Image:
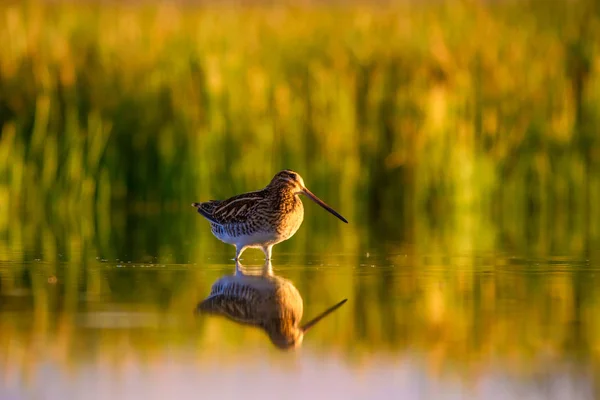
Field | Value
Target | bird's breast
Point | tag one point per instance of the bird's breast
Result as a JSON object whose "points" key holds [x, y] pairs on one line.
{"points": [[292, 216]]}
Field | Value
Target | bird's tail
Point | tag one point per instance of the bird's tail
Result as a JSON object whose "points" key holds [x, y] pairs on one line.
{"points": [[206, 209]]}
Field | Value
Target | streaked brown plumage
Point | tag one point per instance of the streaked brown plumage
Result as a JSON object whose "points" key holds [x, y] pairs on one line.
{"points": [[263, 218], [262, 299]]}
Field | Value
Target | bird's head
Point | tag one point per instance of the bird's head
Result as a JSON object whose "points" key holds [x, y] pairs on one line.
{"points": [[292, 181]]}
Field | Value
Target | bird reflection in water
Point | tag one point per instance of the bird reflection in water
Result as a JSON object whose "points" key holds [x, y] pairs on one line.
{"points": [[257, 297]]}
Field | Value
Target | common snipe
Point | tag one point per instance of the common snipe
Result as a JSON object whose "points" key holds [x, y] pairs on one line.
{"points": [[263, 218], [261, 299]]}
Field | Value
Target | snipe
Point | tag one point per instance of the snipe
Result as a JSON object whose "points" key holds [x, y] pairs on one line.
{"points": [[263, 218], [264, 300]]}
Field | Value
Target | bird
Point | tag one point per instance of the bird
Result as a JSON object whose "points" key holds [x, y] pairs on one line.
{"points": [[262, 218], [262, 299]]}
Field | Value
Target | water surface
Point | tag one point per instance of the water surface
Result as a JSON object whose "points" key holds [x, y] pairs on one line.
{"points": [[444, 324]]}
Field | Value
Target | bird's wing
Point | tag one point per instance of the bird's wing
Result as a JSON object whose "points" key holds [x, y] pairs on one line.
{"points": [[238, 209]]}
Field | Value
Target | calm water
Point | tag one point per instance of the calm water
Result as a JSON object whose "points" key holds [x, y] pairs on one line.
{"points": [[113, 317]]}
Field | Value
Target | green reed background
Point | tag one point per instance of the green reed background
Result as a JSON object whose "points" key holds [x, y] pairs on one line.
{"points": [[388, 111], [454, 126]]}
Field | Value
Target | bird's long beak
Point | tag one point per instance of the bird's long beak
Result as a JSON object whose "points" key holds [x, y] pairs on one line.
{"points": [[319, 317], [322, 204]]}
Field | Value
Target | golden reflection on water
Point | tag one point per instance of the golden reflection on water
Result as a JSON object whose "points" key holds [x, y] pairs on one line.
{"points": [[478, 319]]}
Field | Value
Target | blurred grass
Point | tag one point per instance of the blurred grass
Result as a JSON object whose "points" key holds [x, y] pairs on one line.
{"points": [[457, 127], [452, 105]]}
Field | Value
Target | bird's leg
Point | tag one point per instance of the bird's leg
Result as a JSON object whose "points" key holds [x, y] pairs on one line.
{"points": [[239, 268], [238, 252], [267, 268], [267, 250]]}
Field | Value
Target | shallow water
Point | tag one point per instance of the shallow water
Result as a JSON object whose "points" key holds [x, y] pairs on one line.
{"points": [[425, 322]]}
